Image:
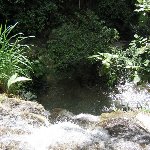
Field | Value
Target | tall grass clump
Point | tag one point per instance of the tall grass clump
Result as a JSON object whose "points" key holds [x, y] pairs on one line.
{"points": [[13, 55]]}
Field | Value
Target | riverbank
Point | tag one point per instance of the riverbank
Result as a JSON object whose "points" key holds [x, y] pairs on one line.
{"points": [[26, 125]]}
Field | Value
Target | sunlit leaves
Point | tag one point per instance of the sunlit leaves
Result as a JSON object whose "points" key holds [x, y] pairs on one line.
{"points": [[14, 78], [13, 55], [134, 61]]}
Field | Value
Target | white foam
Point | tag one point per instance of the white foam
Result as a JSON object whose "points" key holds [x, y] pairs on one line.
{"points": [[62, 134], [132, 95], [87, 117]]}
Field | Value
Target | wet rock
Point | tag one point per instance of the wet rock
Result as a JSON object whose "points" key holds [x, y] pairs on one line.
{"points": [[87, 118], [18, 118], [18, 105], [124, 125], [84, 120], [60, 114], [144, 121]]}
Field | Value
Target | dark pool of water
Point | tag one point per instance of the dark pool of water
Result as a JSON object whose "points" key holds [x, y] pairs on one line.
{"points": [[70, 95]]}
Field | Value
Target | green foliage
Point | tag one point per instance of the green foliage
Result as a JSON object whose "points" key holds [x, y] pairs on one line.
{"points": [[134, 62], [143, 6], [71, 44], [40, 17], [13, 55], [37, 16], [33, 16], [82, 35], [117, 13], [139, 57], [116, 9], [143, 9]]}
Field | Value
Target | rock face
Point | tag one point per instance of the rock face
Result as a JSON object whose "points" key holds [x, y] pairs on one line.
{"points": [[17, 118], [126, 127], [26, 125]]}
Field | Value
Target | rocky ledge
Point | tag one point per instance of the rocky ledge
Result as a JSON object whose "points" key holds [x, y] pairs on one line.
{"points": [[26, 125]]}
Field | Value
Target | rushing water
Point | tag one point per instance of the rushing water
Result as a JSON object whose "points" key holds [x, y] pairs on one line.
{"points": [[65, 135], [132, 96], [63, 130], [80, 132]]}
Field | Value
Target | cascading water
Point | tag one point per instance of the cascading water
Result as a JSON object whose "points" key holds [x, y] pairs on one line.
{"points": [[65, 135], [81, 132], [132, 96], [27, 126]]}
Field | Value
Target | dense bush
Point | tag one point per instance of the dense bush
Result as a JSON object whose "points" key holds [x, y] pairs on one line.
{"points": [[143, 9], [118, 13], [37, 17], [132, 63], [33, 16], [75, 35], [71, 44]]}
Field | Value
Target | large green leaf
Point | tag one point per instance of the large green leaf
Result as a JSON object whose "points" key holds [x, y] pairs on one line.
{"points": [[140, 1], [13, 79]]}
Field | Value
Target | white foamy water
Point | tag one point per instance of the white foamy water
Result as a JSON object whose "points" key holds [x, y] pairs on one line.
{"points": [[81, 131], [132, 95], [34, 132], [62, 134], [87, 117]]}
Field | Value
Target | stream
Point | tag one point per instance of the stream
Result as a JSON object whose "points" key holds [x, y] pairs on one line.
{"points": [[72, 119]]}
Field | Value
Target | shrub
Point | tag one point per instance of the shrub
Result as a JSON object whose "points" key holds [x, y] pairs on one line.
{"points": [[13, 55], [132, 63], [71, 44], [37, 16], [118, 13], [143, 6], [34, 17], [143, 9]]}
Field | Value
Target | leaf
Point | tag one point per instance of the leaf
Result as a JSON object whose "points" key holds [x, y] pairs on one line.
{"points": [[129, 63], [136, 79], [141, 50], [13, 79], [98, 57], [140, 1], [146, 63], [136, 36], [128, 67], [106, 63]]}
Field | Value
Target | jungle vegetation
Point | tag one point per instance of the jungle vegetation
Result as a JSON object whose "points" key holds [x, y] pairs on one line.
{"points": [[82, 39]]}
